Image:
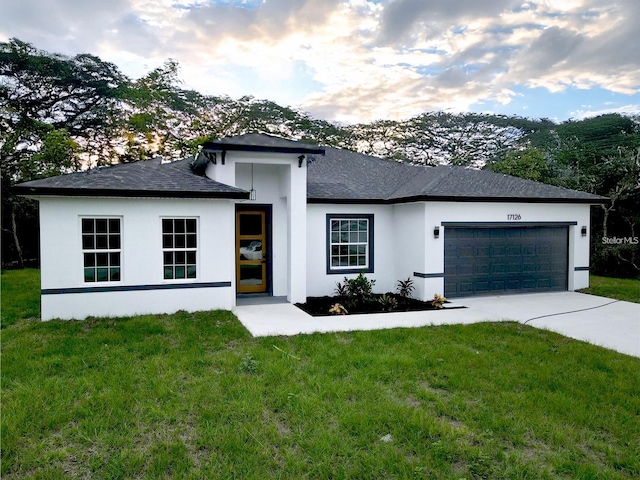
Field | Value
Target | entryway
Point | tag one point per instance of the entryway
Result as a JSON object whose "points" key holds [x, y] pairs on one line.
{"points": [[252, 250]]}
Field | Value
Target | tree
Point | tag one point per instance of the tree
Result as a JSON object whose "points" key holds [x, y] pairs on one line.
{"points": [[529, 164], [54, 111]]}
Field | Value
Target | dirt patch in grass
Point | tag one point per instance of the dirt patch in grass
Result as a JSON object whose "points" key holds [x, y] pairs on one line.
{"points": [[320, 306]]}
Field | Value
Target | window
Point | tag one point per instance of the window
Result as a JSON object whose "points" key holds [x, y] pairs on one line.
{"points": [[349, 243], [179, 247], [101, 249]]}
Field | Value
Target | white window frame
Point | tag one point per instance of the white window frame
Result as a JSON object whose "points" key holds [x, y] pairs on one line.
{"points": [[93, 251], [177, 249]]}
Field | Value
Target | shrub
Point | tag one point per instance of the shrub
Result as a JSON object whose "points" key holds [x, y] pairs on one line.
{"points": [[358, 291], [405, 288]]}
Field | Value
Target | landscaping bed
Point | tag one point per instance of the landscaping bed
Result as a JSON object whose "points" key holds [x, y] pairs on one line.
{"points": [[321, 306]]}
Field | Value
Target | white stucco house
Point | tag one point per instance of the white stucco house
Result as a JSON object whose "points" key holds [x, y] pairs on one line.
{"points": [[261, 215]]}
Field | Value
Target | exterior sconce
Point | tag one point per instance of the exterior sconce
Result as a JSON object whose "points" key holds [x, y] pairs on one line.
{"points": [[584, 231], [212, 156], [300, 160], [436, 232]]}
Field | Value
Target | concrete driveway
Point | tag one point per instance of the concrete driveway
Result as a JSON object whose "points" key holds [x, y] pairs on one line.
{"points": [[602, 321]]}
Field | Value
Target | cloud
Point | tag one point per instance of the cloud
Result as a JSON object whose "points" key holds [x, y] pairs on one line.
{"points": [[353, 60]]}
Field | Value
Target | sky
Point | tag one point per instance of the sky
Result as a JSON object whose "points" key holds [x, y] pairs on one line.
{"points": [[357, 61]]}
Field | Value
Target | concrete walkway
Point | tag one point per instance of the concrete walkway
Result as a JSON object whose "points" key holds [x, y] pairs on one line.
{"points": [[601, 321]]}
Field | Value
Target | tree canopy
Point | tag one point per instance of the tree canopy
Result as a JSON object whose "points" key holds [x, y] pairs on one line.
{"points": [[59, 114]]}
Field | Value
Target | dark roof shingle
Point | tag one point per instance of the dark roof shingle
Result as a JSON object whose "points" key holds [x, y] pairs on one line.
{"points": [[148, 178], [344, 176]]}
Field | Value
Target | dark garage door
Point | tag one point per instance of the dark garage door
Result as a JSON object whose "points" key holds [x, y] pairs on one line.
{"points": [[493, 261]]}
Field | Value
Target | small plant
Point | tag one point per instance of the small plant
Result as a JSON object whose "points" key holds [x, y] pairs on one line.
{"points": [[438, 301], [388, 303], [359, 291], [341, 289], [249, 364], [338, 309], [405, 288]]}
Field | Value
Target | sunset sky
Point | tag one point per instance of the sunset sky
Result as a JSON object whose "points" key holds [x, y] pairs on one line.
{"points": [[359, 61]]}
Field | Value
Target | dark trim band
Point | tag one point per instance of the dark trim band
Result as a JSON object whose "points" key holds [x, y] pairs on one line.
{"points": [[132, 288], [428, 275], [444, 198], [126, 193], [581, 269], [514, 224], [223, 147]]}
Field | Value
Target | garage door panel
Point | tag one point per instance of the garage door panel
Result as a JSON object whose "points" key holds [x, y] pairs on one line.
{"points": [[482, 269], [514, 284], [511, 260]]}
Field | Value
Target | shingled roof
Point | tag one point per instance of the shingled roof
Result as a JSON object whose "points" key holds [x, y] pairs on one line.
{"points": [[149, 178], [334, 176], [342, 176]]}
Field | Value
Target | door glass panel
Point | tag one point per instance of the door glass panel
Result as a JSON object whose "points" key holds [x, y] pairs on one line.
{"points": [[251, 249], [250, 224], [251, 275]]}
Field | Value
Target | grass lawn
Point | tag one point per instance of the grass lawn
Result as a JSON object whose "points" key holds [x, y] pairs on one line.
{"points": [[195, 396], [619, 288]]}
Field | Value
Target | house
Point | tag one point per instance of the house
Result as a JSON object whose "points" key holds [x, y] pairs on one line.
{"points": [[260, 215]]}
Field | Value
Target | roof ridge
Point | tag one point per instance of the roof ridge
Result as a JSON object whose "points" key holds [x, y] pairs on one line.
{"points": [[423, 169]]}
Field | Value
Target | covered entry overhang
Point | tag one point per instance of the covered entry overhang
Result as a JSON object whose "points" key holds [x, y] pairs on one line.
{"points": [[270, 226]]}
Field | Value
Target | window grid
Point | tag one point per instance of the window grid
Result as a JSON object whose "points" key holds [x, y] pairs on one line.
{"points": [[179, 248], [101, 249], [349, 243]]}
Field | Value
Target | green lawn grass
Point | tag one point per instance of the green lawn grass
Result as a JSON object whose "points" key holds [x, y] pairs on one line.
{"points": [[20, 294], [619, 288], [195, 396]]}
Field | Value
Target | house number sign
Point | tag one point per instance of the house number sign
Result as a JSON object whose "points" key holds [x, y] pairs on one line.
{"points": [[513, 216]]}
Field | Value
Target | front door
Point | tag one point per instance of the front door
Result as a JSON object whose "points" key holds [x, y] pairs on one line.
{"points": [[251, 251]]}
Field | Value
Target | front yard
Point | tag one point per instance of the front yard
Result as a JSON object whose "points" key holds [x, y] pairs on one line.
{"points": [[195, 396], [626, 289]]}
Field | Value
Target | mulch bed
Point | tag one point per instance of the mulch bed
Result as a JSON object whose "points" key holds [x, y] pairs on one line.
{"points": [[319, 306]]}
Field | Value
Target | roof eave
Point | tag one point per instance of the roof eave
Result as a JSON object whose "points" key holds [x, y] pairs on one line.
{"points": [[218, 147], [453, 198], [115, 193]]}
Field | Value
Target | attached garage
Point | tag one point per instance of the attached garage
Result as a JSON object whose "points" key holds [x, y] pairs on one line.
{"points": [[495, 259]]}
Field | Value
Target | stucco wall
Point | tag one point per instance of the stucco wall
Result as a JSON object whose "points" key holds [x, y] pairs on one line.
{"points": [[411, 244], [142, 263], [318, 281], [437, 213], [405, 242]]}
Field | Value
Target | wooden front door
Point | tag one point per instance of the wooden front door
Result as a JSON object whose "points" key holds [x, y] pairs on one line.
{"points": [[251, 251]]}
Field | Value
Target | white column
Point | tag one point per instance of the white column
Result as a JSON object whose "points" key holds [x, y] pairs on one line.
{"points": [[297, 233]]}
